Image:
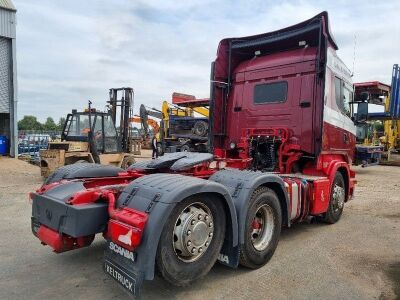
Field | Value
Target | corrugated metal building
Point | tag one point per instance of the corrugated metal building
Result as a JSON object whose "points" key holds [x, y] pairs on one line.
{"points": [[8, 75]]}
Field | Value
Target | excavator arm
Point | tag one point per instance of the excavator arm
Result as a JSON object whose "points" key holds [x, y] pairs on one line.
{"points": [[150, 122]]}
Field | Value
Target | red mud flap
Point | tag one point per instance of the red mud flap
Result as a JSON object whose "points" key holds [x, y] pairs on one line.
{"points": [[119, 263]]}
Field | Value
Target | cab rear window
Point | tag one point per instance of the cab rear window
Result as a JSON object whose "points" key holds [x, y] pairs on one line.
{"points": [[270, 92]]}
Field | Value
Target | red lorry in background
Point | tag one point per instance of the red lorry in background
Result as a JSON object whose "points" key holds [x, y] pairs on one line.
{"points": [[281, 145]]}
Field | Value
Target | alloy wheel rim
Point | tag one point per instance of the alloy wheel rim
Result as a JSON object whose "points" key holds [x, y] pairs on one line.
{"points": [[262, 227], [193, 232]]}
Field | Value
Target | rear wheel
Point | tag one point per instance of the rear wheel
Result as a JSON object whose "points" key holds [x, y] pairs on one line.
{"points": [[185, 148], [336, 203], [127, 162], [200, 128], [263, 228], [191, 240]]}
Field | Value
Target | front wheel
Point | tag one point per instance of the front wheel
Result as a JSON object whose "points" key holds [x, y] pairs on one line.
{"points": [[263, 228], [336, 203], [191, 240], [185, 148]]}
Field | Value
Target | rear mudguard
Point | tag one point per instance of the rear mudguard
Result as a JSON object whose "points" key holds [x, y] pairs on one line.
{"points": [[241, 184], [82, 170], [157, 195]]}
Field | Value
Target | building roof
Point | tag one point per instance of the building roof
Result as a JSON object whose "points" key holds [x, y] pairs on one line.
{"points": [[7, 4]]}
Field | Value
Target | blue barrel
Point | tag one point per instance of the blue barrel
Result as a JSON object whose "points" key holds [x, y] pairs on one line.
{"points": [[3, 145]]}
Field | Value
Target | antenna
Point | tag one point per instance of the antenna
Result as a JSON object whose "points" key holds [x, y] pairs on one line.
{"points": [[354, 53]]}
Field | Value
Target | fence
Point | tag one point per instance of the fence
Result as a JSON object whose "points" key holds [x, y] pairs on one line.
{"points": [[30, 142]]}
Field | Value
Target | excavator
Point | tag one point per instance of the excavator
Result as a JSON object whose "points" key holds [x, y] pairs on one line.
{"points": [[145, 136], [183, 123]]}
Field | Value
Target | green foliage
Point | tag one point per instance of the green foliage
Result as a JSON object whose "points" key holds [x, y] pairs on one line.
{"points": [[50, 125], [29, 123], [379, 127], [60, 124]]}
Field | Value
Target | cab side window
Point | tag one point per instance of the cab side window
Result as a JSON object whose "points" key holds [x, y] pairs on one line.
{"points": [[270, 92], [343, 96]]}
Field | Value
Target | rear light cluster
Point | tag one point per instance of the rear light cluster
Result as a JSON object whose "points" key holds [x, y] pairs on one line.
{"points": [[126, 227]]}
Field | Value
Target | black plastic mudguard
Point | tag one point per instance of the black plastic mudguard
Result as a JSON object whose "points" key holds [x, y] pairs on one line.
{"points": [[83, 170], [177, 161], [157, 195], [122, 269], [241, 184]]}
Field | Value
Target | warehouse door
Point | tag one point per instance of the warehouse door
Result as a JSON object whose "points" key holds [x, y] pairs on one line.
{"points": [[5, 75]]}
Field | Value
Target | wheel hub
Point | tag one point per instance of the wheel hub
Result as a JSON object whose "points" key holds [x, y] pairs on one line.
{"points": [[193, 232], [338, 197], [262, 227]]}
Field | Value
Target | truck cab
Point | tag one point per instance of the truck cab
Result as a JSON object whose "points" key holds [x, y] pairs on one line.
{"points": [[282, 99]]}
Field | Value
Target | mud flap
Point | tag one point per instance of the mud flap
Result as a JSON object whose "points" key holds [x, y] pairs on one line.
{"points": [[229, 256], [121, 267]]}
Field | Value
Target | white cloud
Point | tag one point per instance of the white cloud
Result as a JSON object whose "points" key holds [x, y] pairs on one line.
{"points": [[72, 51]]}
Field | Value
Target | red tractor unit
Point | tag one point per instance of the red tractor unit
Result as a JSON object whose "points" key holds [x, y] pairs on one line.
{"points": [[281, 145]]}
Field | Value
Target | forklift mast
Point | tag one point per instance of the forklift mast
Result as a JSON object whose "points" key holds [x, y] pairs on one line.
{"points": [[122, 99]]}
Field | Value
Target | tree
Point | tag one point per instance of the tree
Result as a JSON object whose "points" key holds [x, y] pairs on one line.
{"points": [[29, 123], [50, 124], [60, 124]]}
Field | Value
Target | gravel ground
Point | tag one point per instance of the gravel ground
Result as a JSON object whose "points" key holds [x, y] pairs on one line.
{"points": [[357, 258]]}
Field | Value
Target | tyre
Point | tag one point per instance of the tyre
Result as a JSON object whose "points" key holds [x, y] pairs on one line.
{"points": [[191, 240], [201, 148], [263, 228], [81, 161], [200, 128], [336, 202], [185, 148], [127, 162]]}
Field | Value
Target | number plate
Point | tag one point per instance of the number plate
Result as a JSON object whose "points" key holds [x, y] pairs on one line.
{"points": [[123, 277]]}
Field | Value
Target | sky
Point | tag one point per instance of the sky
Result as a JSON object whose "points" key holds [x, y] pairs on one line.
{"points": [[69, 52]]}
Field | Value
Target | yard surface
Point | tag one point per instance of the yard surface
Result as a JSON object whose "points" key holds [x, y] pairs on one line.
{"points": [[357, 258]]}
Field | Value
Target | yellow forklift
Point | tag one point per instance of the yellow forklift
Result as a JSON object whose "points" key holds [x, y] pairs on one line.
{"points": [[91, 136]]}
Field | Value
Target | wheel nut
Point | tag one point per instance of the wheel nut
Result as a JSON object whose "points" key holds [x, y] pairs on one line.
{"points": [[189, 232], [193, 222], [206, 244], [211, 224], [200, 217], [200, 250], [210, 234], [206, 217], [193, 250], [189, 243]]}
